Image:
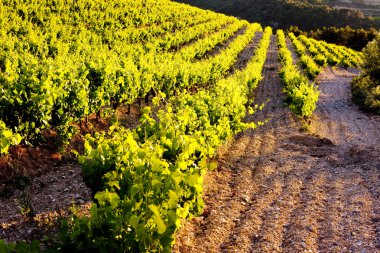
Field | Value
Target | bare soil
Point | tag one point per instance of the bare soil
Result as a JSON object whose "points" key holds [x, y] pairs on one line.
{"points": [[280, 189], [289, 45], [31, 208], [247, 53]]}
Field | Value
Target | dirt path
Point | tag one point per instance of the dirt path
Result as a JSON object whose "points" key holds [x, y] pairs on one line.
{"points": [[281, 190], [338, 118]]}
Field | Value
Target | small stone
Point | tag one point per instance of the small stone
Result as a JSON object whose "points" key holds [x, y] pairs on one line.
{"points": [[245, 198]]}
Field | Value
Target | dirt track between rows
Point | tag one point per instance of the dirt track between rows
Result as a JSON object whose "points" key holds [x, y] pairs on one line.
{"points": [[278, 189]]}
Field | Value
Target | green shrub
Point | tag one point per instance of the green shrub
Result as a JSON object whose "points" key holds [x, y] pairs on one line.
{"points": [[366, 87], [371, 59], [7, 138], [20, 247], [366, 93]]}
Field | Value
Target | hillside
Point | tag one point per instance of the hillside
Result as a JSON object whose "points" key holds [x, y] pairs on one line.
{"points": [[368, 7], [154, 126], [286, 13]]}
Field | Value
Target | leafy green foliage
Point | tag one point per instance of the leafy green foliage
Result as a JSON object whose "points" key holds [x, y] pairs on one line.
{"points": [[149, 179], [7, 138], [301, 95], [366, 88], [318, 57], [313, 53], [346, 57], [20, 247], [332, 54], [307, 62], [371, 59], [51, 79]]}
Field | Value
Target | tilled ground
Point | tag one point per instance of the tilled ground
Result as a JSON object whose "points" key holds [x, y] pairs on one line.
{"points": [[278, 189], [32, 209]]}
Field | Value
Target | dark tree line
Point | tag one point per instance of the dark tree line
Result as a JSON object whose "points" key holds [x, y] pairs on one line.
{"points": [[285, 13]]}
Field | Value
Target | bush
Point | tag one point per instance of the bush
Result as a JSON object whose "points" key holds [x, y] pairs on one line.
{"points": [[366, 88], [371, 61], [20, 247], [366, 93]]}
